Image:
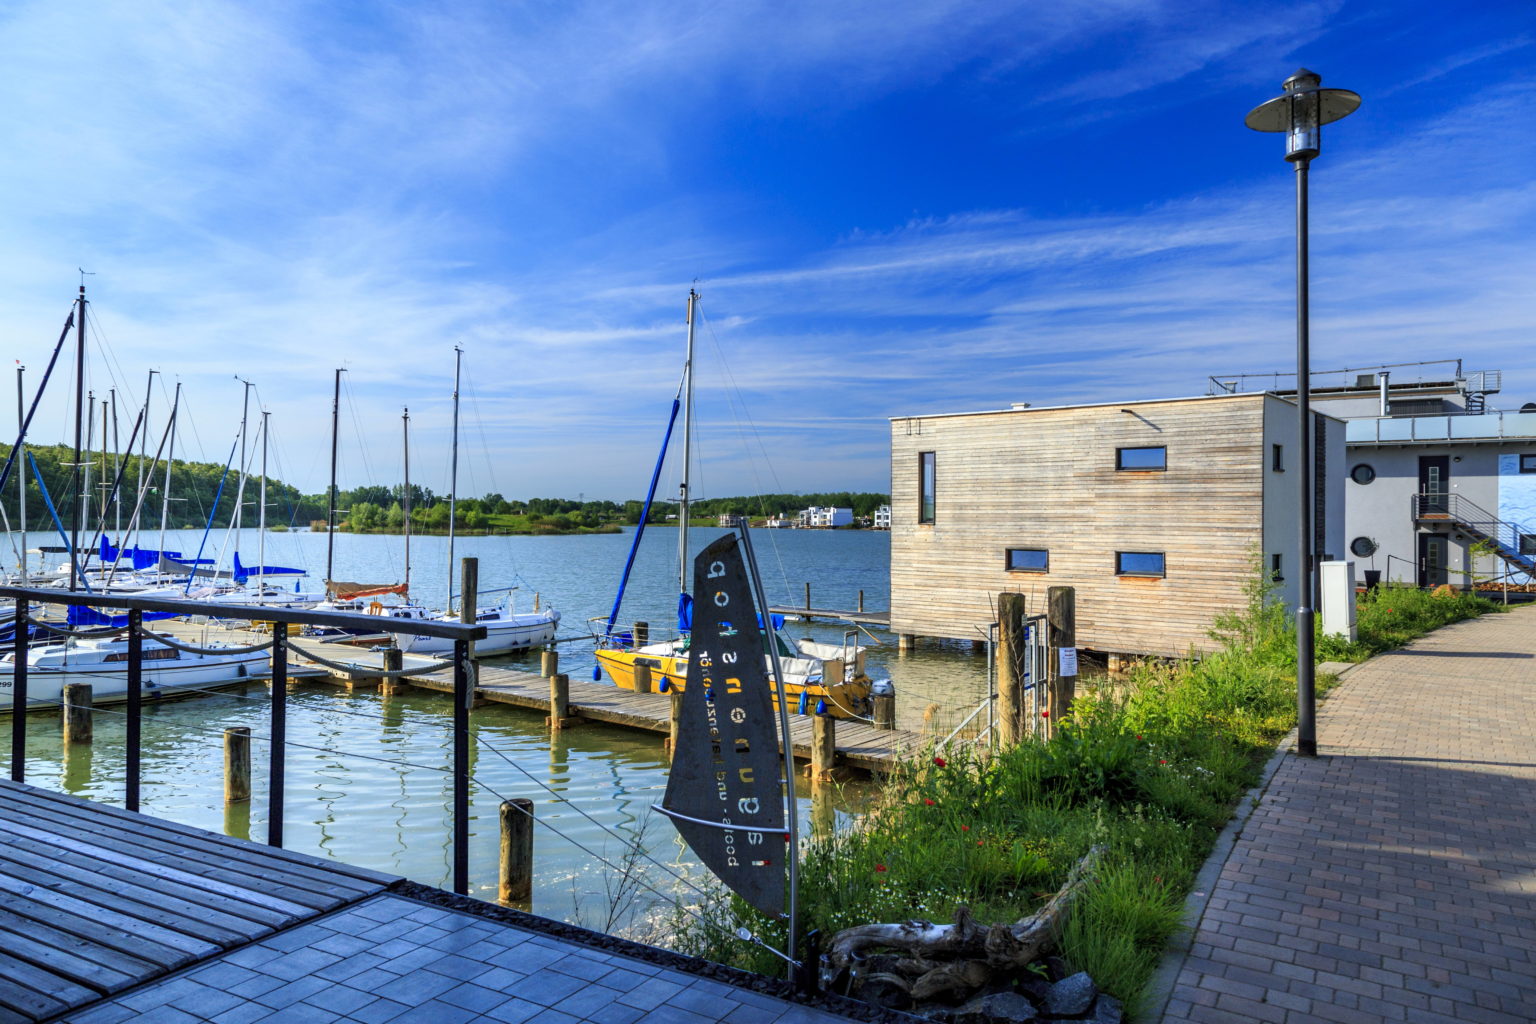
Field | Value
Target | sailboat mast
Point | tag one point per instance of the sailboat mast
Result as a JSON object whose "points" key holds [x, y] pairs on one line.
{"points": [[117, 465], [330, 514], [103, 486], [261, 517], [21, 476], [149, 384], [74, 511], [405, 497], [453, 473], [85, 469], [682, 495], [245, 412], [170, 456]]}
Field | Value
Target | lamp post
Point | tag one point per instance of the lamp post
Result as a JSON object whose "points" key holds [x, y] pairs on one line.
{"points": [[1300, 112]]}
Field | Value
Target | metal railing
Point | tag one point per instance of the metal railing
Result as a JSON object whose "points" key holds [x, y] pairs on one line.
{"points": [[1453, 508], [1035, 659], [1441, 426], [462, 634]]}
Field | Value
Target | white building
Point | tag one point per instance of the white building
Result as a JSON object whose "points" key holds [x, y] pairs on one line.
{"points": [[883, 517], [819, 517]]}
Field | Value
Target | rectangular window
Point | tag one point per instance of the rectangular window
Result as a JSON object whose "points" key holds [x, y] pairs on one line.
{"points": [[925, 487], [1277, 464], [1274, 568], [1141, 458], [1029, 560], [1139, 563], [1528, 544], [1528, 463]]}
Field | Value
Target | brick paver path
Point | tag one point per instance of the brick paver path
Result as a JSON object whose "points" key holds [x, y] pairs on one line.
{"points": [[394, 959], [1393, 878]]}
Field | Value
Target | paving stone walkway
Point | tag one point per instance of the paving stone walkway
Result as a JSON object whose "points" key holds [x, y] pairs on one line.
{"points": [[395, 959], [1392, 878]]}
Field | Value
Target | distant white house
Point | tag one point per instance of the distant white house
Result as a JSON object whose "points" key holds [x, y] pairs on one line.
{"points": [[779, 522], [731, 520], [819, 517], [883, 517]]}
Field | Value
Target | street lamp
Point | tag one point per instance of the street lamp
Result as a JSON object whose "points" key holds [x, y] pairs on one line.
{"points": [[1300, 112]]}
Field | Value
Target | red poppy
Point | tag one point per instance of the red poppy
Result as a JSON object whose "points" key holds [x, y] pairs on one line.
{"points": [[1045, 714], [927, 801], [980, 842], [786, 837], [1138, 737], [1162, 762], [965, 828], [940, 762], [879, 867]]}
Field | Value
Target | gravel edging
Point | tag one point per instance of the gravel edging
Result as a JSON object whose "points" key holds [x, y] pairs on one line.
{"points": [[778, 988]]}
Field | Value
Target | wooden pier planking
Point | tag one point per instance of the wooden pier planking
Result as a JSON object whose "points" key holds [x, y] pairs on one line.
{"points": [[94, 899], [858, 618]]}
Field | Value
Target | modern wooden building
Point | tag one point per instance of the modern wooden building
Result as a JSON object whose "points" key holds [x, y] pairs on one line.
{"points": [[1154, 511]]}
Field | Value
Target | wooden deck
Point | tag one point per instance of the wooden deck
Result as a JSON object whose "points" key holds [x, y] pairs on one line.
{"points": [[94, 899], [858, 618]]}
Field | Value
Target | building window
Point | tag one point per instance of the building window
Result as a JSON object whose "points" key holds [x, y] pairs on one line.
{"points": [[1141, 458], [1528, 544], [1274, 565], [1139, 563], [1276, 464], [1362, 547], [1528, 463], [925, 487], [1364, 473], [1029, 560]]}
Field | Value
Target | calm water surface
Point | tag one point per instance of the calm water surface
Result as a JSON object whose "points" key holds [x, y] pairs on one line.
{"points": [[366, 783]]}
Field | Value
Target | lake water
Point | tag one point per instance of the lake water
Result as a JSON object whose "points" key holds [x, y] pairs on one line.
{"points": [[366, 778]]}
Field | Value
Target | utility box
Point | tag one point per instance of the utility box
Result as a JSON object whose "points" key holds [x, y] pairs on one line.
{"points": [[1338, 586]]}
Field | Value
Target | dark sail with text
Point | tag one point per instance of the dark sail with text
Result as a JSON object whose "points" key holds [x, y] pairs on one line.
{"points": [[725, 792]]}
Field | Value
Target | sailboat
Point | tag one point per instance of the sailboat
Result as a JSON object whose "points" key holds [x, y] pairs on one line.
{"points": [[507, 629], [819, 678]]}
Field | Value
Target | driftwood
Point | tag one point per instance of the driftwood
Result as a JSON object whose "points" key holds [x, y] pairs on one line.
{"points": [[963, 956]]}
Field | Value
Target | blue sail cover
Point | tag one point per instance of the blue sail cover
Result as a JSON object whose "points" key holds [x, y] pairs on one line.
{"points": [[79, 615], [245, 572], [142, 558]]}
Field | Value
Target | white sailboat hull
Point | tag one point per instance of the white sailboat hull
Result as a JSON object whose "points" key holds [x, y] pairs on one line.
{"points": [[507, 633], [103, 665]]}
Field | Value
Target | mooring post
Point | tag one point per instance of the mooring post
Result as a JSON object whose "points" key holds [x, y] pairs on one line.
{"points": [[1062, 617], [19, 694], [394, 661], [642, 677], [469, 604], [237, 764], [807, 595], [823, 747], [884, 710], [559, 701], [675, 721], [861, 602], [1010, 668], [516, 875], [77, 713], [642, 634], [549, 663], [905, 643]]}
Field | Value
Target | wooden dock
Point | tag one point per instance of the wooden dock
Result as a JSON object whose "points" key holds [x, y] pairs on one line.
{"points": [[859, 618], [94, 900]]}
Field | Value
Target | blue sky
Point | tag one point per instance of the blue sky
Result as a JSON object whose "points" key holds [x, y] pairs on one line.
{"points": [[890, 208]]}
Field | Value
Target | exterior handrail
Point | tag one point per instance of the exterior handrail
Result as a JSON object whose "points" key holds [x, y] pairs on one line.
{"points": [[1453, 507]]}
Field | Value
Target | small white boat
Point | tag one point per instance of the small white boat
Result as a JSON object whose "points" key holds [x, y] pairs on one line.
{"points": [[506, 630], [103, 663]]}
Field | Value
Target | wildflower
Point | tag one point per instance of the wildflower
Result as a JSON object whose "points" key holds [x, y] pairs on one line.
{"points": [[1045, 714], [965, 828], [927, 802], [981, 842], [940, 762], [1138, 737], [1162, 762], [1158, 879], [879, 867]]}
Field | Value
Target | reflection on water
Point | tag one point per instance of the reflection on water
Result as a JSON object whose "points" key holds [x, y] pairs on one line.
{"points": [[367, 785]]}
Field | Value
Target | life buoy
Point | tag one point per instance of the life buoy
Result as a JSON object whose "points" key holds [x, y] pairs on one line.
{"points": [[375, 607]]}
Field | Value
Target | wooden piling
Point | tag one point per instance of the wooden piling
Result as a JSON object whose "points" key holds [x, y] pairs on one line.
{"points": [[884, 710], [823, 747], [77, 713], [861, 602], [642, 634], [516, 875], [676, 720], [469, 601], [549, 663], [394, 661], [905, 642], [807, 595], [642, 677], [237, 764], [1011, 628], [1062, 618], [559, 702]]}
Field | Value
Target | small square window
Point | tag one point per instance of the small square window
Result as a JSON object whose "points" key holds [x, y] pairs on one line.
{"points": [[1139, 563], [1029, 560], [1528, 463], [1274, 565], [1528, 544], [1141, 458], [1276, 461]]}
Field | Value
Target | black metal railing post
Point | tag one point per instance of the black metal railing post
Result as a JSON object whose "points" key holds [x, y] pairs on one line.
{"points": [[19, 695], [279, 731], [463, 694], [134, 740]]}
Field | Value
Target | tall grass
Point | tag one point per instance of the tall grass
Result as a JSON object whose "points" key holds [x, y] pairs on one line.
{"points": [[1151, 769]]}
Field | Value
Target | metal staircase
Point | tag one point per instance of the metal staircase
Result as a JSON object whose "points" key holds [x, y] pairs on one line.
{"points": [[1502, 537]]}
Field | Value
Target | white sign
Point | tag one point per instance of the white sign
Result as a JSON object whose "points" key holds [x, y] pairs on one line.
{"points": [[1068, 656]]}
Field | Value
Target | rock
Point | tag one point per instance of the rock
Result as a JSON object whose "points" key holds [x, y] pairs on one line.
{"points": [[887, 990], [1055, 968], [1034, 986], [1071, 997], [998, 1008], [1106, 1010]]}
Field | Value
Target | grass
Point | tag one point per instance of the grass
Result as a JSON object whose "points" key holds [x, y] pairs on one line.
{"points": [[1152, 769]]}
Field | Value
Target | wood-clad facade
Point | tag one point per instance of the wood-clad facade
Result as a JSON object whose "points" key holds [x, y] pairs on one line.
{"points": [[1101, 498]]}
